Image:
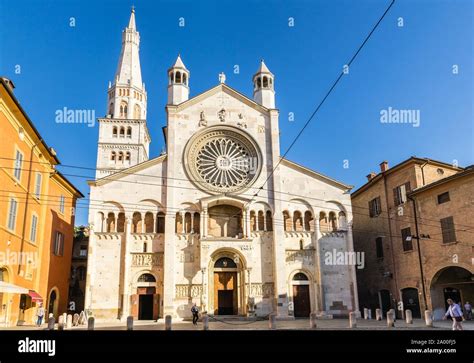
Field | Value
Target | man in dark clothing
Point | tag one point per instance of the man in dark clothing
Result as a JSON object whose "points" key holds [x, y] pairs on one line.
{"points": [[195, 312]]}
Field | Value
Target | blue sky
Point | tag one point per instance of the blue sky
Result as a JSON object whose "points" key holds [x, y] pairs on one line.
{"points": [[409, 67]]}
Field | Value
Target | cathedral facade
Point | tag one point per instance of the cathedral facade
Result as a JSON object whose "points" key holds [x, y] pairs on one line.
{"points": [[219, 219]]}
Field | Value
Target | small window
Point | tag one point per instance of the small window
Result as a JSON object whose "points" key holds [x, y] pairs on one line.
{"points": [[407, 239], [375, 208], [62, 202], [34, 227], [18, 165], [58, 248], [448, 230], [12, 214], [122, 132], [127, 156], [146, 278], [300, 277], [83, 251], [400, 193], [225, 262], [114, 131], [39, 179], [129, 131], [443, 198], [113, 156], [379, 247]]}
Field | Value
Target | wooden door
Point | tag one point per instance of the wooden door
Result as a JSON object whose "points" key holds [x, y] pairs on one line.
{"points": [[301, 302], [134, 305], [225, 293]]}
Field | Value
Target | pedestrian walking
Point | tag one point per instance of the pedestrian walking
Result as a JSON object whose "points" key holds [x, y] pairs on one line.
{"points": [[195, 312], [455, 312], [39, 315]]}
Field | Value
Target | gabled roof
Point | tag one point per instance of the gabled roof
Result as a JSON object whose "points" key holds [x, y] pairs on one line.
{"points": [[466, 172], [315, 174], [125, 172], [212, 91]]}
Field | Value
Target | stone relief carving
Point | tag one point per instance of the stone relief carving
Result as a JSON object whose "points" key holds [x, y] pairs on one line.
{"points": [[147, 259], [202, 119], [222, 115], [261, 129], [305, 256], [258, 289], [185, 291]]}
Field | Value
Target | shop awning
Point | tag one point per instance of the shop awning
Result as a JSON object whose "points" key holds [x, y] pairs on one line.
{"points": [[5, 287], [35, 297]]}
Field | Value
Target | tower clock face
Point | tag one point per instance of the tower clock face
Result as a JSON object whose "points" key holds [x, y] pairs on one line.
{"points": [[222, 159]]}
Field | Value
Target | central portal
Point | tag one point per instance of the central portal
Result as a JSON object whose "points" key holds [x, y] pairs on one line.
{"points": [[225, 287]]}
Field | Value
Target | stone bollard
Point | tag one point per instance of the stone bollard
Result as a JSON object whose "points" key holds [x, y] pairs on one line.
{"points": [[370, 314], [408, 316], [378, 314], [312, 321], [61, 322], [130, 323], [272, 321], [64, 318], [90, 323], [205, 322], [69, 321], [394, 314], [352, 320], [168, 322], [51, 315], [366, 313], [75, 319], [51, 322], [390, 319], [428, 318]]}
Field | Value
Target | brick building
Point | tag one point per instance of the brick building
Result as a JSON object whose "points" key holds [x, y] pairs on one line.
{"points": [[385, 229]]}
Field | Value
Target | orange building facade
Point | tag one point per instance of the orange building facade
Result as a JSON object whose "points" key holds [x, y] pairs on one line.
{"points": [[37, 207]]}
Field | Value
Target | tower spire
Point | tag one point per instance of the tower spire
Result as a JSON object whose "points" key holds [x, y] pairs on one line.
{"points": [[131, 23]]}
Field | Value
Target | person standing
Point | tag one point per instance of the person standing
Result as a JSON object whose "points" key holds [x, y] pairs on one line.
{"points": [[455, 312], [39, 315], [468, 310], [195, 312]]}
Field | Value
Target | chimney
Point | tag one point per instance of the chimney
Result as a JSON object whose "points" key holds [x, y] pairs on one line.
{"points": [[371, 176], [384, 166], [9, 83]]}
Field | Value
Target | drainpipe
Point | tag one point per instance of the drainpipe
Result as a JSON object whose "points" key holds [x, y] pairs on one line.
{"points": [[417, 237]]}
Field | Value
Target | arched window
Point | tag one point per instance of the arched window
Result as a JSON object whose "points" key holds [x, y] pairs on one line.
{"points": [[111, 222], [146, 278], [225, 262], [100, 221], [111, 109], [178, 77], [179, 223], [149, 222], [297, 221], [259, 82], [261, 221], [185, 79], [187, 222], [120, 156], [129, 132], [342, 220], [160, 223], [114, 131], [145, 247], [265, 82], [137, 111], [171, 77], [196, 223], [137, 222], [287, 223], [127, 156], [113, 156], [308, 221], [332, 221], [300, 277], [269, 221], [121, 222], [253, 221], [323, 222], [301, 244], [123, 109]]}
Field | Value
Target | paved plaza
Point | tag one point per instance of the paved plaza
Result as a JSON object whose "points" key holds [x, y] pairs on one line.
{"points": [[297, 324]]}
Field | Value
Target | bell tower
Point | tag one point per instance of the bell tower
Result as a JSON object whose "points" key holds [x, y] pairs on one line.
{"points": [[263, 86], [123, 135], [178, 83]]}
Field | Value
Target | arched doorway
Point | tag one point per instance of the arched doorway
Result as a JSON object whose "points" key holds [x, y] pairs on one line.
{"points": [[53, 303], [385, 301], [452, 282], [145, 303], [411, 301], [226, 283], [301, 295]]}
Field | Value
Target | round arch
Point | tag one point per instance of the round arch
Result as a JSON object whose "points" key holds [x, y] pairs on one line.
{"points": [[53, 302], [301, 293]]}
